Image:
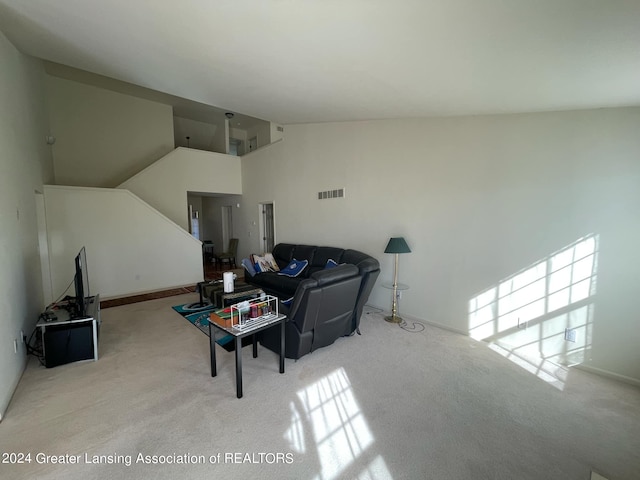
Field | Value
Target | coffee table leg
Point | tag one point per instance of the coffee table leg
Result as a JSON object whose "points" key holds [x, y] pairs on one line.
{"points": [[212, 349], [282, 346], [238, 366], [255, 346]]}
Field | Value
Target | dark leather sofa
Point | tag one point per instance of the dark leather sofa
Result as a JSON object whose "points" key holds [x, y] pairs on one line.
{"points": [[320, 313], [285, 287]]}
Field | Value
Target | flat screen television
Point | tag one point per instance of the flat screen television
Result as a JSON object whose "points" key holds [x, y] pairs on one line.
{"points": [[81, 281]]}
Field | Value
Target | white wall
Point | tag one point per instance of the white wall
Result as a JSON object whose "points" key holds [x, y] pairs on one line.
{"points": [[104, 137], [25, 163], [274, 134], [165, 184], [131, 248], [477, 199]]}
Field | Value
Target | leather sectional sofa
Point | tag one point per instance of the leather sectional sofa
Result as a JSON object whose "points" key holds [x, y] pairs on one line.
{"points": [[327, 302]]}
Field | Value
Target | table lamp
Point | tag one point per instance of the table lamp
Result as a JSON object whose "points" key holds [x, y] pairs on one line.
{"points": [[396, 245]]}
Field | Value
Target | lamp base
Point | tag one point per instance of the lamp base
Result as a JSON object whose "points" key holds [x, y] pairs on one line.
{"points": [[393, 319]]}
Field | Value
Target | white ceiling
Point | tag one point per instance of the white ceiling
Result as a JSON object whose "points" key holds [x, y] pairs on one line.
{"points": [[298, 61]]}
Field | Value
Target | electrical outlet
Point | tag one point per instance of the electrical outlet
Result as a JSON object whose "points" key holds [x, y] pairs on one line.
{"points": [[570, 334], [399, 294], [15, 345], [23, 337]]}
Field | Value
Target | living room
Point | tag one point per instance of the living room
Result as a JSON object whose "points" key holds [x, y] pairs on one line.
{"points": [[479, 199]]}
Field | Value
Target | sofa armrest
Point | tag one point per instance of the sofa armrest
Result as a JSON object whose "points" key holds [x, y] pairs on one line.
{"points": [[299, 301]]}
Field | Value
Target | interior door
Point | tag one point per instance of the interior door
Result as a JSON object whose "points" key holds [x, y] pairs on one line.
{"points": [[267, 231]]}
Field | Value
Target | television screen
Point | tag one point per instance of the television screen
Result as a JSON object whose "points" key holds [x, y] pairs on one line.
{"points": [[82, 283]]}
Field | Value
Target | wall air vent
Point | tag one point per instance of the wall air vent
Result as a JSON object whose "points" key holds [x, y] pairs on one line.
{"points": [[339, 193]]}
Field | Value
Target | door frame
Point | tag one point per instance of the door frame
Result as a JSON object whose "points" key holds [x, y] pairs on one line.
{"points": [[263, 228], [43, 248]]}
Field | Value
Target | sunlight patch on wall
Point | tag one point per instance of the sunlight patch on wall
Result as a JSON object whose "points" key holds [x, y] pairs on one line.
{"points": [[327, 417], [542, 315]]}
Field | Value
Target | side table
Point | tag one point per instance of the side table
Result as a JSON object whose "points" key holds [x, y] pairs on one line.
{"points": [[217, 323]]}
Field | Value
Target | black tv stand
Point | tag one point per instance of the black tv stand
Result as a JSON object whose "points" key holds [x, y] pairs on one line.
{"points": [[68, 338]]}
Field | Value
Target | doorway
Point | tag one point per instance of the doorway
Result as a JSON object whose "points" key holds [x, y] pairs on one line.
{"points": [[267, 228], [253, 144], [194, 222], [236, 147]]}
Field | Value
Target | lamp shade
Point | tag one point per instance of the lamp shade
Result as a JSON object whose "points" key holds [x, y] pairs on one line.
{"points": [[397, 245]]}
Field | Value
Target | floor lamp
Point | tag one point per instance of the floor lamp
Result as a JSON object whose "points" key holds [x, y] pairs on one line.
{"points": [[396, 246]]}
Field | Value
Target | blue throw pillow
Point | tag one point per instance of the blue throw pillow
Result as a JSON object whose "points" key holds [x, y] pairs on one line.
{"points": [[330, 264], [294, 268], [248, 266]]}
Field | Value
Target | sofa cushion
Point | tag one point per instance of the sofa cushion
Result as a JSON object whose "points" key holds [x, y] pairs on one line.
{"points": [[283, 253], [332, 275], [327, 253], [322, 255], [278, 285], [304, 252]]}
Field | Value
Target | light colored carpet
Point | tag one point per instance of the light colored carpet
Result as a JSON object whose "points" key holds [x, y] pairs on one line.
{"points": [[385, 405]]}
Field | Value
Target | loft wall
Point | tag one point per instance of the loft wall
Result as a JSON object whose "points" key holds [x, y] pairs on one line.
{"points": [[477, 199], [104, 137], [25, 164], [202, 135], [262, 133], [165, 183]]}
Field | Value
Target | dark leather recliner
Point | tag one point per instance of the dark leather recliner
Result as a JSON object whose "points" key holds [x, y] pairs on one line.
{"points": [[321, 312]]}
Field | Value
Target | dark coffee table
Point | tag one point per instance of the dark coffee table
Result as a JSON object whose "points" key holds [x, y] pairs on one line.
{"points": [[241, 292]]}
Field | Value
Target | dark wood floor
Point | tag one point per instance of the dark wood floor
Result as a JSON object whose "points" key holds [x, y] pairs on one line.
{"points": [[213, 271]]}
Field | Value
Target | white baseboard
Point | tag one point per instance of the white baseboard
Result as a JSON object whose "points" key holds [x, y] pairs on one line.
{"points": [[435, 324], [420, 320], [607, 373]]}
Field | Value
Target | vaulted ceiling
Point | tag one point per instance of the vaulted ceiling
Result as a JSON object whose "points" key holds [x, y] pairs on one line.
{"points": [[298, 61]]}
